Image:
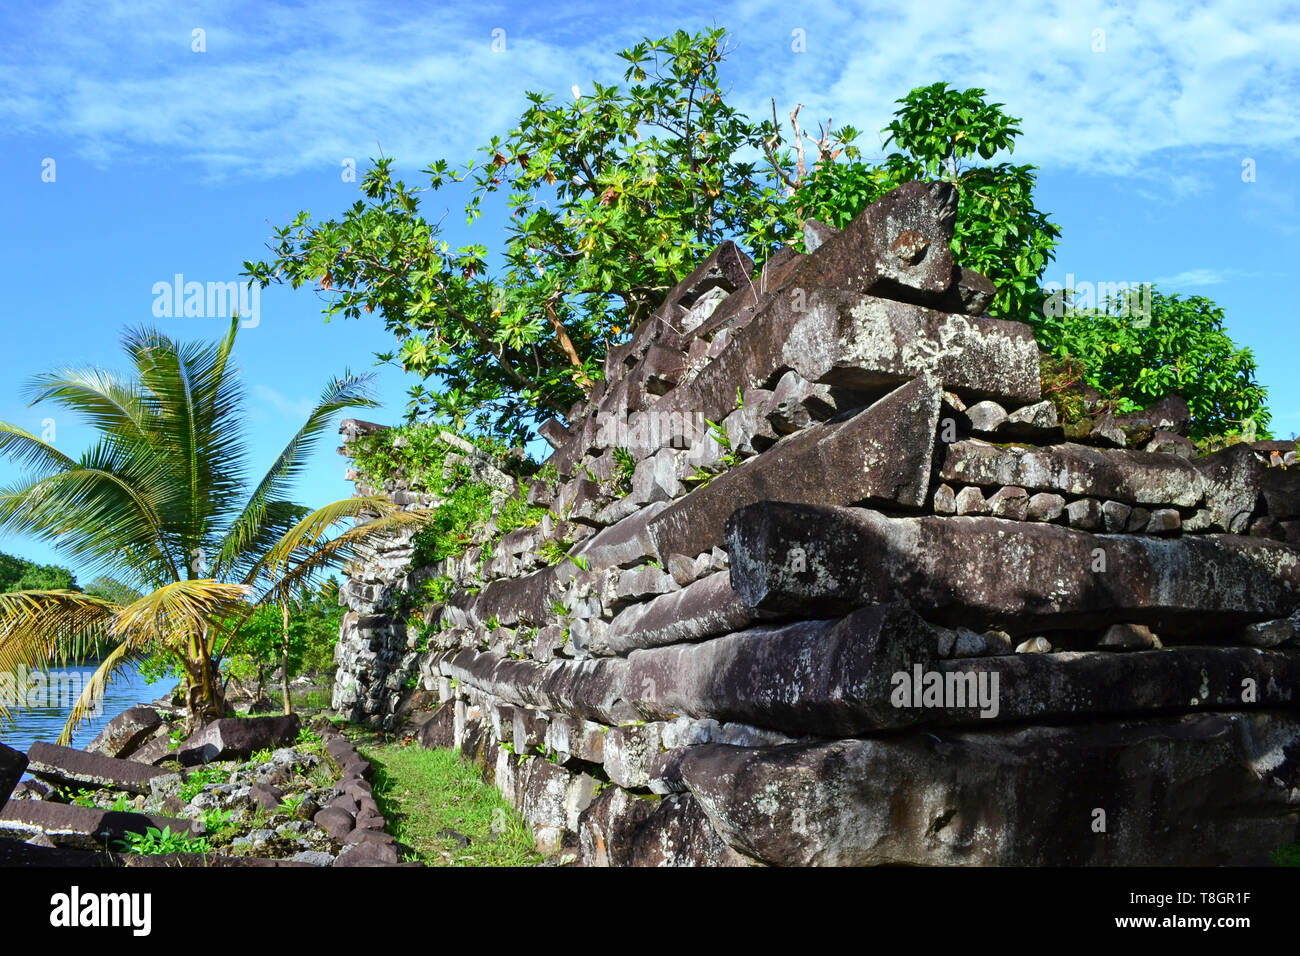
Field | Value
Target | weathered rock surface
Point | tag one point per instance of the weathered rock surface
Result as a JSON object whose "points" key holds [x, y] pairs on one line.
{"points": [[126, 732], [1073, 470], [13, 765], [880, 454], [66, 825], [1014, 575], [234, 738], [980, 798], [77, 768]]}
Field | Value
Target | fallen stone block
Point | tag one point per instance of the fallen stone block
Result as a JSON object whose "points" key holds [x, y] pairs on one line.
{"points": [[87, 828], [126, 732], [233, 738], [980, 798], [13, 765], [77, 768], [1017, 576]]}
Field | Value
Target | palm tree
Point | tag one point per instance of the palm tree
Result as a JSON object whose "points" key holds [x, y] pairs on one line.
{"points": [[161, 507]]}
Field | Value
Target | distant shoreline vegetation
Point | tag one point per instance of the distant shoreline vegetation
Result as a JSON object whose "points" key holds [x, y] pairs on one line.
{"points": [[19, 574]]}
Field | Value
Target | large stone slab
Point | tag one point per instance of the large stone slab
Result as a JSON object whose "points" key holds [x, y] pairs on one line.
{"points": [[1200, 790], [66, 825], [878, 455], [13, 764], [126, 732], [238, 738], [880, 668], [898, 247], [622, 545], [1240, 486], [590, 689], [702, 609], [1013, 575], [866, 344], [76, 768], [1133, 477]]}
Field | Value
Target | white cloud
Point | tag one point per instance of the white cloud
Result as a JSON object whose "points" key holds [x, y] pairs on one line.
{"points": [[285, 90]]}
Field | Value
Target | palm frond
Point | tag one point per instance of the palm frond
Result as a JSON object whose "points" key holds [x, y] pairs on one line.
{"points": [[347, 392], [30, 452], [93, 513], [305, 552], [90, 701], [177, 611], [196, 417], [40, 627], [98, 397]]}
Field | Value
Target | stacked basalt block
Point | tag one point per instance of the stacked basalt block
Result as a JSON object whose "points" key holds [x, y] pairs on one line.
{"points": [[865, 600]]}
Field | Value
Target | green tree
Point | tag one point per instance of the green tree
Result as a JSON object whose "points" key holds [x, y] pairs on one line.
{"points": [[161, 505], [293, 636], [1140, 350], [19, 574], [999, 231], [612, 198]]}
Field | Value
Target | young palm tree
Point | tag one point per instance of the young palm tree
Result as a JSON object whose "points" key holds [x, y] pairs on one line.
{"points": [[160, 505]]}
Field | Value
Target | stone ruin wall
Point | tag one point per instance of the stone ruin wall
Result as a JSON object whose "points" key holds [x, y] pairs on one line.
{"points": [[920, 621]]}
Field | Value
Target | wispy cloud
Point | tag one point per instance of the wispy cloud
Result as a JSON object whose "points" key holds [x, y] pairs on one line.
{"points": [[296, 410], [1195, 277], [282, 90]]}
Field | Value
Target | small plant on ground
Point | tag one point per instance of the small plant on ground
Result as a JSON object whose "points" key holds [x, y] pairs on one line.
{"points": [[196, 781], [154, 841]]}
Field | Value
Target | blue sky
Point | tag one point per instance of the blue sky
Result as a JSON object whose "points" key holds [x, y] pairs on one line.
{"points": [[170, 161]]}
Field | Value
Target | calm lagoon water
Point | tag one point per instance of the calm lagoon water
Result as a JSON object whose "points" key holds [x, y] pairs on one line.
{"points": [[45, 720]]}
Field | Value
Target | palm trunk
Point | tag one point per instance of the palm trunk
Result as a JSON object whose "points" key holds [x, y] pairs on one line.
{"points": [[284, 659]]}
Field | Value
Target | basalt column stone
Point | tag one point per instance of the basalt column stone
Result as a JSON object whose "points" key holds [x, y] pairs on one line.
{"points": [[1014, 575], [881, 454]]}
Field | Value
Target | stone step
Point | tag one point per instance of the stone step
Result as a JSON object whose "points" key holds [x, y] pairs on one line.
{"points": [[76, 768], [85, 828]]}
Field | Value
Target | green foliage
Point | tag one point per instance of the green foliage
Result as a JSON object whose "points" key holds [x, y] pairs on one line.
{"points": [[1181, 347], [610, 199], [290, 803], [200, 778], [19, 574], [425, 793], [998, 232], [1287, 855], [555, 550], [624, 467], [313, 631], [728, 459], [154, 842]]}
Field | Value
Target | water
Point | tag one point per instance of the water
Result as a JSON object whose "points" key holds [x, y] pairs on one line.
{"points": [[29, 724]]}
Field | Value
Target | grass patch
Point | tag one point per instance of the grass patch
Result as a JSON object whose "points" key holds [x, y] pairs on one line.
{"points": [[1287, 855], [424, 793]]}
